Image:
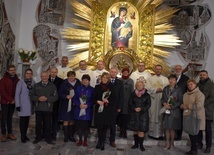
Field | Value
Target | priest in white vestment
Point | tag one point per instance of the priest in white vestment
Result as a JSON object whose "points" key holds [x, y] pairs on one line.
{"points": [[83, 70], [96, 75], [141, 74], [63, 69], [156, 84]]}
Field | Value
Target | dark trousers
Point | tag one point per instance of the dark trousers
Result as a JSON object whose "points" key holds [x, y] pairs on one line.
{"points": [[43, 121], [7, 115], [55, 125], [194, 142], [208, 134], [102, 130], [179, 132], [23, 125], [82, 127], [112, 133], [123, 121]]}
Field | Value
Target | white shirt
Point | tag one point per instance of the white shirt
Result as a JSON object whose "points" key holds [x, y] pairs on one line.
{"points": [[135, 76], [80, 73], [95, 80], [62, 71]]}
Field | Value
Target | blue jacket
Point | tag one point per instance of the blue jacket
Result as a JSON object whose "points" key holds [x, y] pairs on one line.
{"points": [[88, 91], [22, 98]]}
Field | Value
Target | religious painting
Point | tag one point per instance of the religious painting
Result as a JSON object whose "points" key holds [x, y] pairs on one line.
{"points": [[122, 26]]}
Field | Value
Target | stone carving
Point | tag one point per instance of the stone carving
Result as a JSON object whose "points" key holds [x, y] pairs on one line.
{"points": [[190, 24], [52, 11], [47, 45], [7, 41]]}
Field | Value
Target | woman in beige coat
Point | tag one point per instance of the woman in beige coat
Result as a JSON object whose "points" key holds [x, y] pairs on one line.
{"points": [[191, 97]]}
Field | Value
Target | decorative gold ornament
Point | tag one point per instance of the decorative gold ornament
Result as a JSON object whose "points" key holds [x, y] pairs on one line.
{"points": [[149, 40]]}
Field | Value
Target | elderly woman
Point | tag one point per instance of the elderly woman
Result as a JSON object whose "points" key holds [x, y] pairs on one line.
{"points": [[171, 100], [65, 111], [23, 102], [194, 97], [128, 84], [139, 104], [83, 109]]}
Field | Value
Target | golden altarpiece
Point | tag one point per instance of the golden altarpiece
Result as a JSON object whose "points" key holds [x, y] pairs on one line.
{"points": [[121, 33]]}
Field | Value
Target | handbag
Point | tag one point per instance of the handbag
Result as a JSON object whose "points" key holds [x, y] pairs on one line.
{"points": [[191, 123]]}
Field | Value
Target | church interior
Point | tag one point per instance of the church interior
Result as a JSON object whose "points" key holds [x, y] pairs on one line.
{"points": [[166, 32]]}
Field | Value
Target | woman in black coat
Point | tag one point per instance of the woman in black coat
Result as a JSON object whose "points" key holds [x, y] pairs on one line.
{"points": [[139, 104], [104, 109]]}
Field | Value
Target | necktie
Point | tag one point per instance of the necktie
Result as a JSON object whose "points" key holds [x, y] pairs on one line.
{"points": [[44, 84], [52, 79]]}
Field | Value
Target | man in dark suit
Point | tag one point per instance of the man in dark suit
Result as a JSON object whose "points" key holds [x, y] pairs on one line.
{"points": [[116, 88], [182, 83], [57, 82]]}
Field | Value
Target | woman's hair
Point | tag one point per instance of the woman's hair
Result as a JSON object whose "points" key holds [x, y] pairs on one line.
{"points": [[191, 80], [107, 75], [139, 82], [28, 70], [172, 76], [71, 73], [86, 76]]}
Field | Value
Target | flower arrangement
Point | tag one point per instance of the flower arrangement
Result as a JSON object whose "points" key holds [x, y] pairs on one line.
{"points": [[83, 97], [172, 100], [27, 55]]}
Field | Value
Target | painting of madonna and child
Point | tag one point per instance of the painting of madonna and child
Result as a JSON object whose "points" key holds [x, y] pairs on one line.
{"points": [[122, 24]]}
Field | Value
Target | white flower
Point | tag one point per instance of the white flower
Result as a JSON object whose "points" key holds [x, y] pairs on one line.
{"points": [[26, 51], [21, 50]]}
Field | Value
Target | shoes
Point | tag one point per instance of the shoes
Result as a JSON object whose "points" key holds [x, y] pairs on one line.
{"points": [[167, 146], [53, 138], [102, 147], [112, 144], [142, 148], [11, 136], [199, 147], [79, 143], [125, 134], [85, 144], [207, 150], [191, 152], [23, 140], [26, 138], [3, 138], [71, 138], [50, 142], [98, 145], [36, 141]]}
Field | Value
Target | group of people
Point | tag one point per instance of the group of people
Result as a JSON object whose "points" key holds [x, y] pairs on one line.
{"points": [[140, 102]]}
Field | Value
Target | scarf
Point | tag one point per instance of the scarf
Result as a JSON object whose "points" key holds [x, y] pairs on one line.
{"points": [[125, 77], [29, 84], [140, 93], [104, 86]]}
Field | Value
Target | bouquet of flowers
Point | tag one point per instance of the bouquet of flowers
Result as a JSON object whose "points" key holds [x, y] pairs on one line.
{"points": [[170, 101], [105, 95], [27, 55], [82, 99]]}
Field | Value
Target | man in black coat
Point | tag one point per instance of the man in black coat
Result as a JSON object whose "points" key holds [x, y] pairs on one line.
{"points": [[182, 83], [117, 93], [57, 82], [206, 86]]}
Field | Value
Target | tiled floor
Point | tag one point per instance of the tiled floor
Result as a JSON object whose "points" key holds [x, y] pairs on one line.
{"points": [[153, 147]]}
